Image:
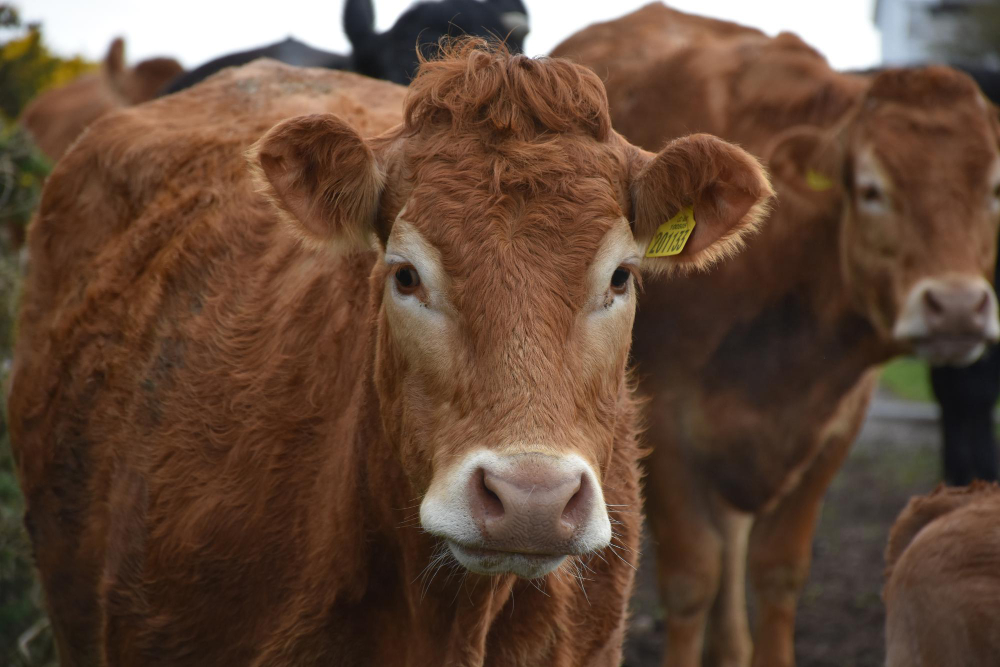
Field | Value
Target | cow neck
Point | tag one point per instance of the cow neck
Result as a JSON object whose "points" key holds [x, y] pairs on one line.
{"points": [[393, 562], [806, 252]]}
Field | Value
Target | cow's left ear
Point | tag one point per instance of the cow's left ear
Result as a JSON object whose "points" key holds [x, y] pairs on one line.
{"points": [[696, 201], [323, 178]]}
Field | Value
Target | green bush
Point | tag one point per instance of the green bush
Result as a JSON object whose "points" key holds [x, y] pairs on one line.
{"points": [[20, 595], [22, 172], [26, 67]]}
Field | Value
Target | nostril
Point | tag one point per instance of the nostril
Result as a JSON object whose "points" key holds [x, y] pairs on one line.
{"points": [[932, 303], [491, 503], [983, 304], [578, 506]]}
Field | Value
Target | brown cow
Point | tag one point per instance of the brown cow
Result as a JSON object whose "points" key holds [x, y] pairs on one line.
{"points": [[942, 592], [882, 242], [57, 117], [251, 434]]}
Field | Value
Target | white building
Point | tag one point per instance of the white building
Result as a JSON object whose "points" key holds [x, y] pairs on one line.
{"points": [[914, 30]]}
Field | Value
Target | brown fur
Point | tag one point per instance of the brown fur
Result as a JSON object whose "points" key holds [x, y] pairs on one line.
{"points": [[942, 590], [220, 437], [57, 117], [760, 381]]}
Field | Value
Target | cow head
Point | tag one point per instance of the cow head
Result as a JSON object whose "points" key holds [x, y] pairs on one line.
{"points": [[56, 117], [141, 83], [393, 55], [917, 168], [510, 224]]}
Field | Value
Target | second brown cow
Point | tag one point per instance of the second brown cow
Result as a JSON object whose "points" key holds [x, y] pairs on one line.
{"points": [[882, 242]]}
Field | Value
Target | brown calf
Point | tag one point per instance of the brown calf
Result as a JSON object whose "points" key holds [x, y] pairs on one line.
{"points": [[251, 434], [57, 117], [942, 592], [882, 242]]}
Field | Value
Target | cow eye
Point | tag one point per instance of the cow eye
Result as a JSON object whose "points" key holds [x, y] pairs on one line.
{"points": [[871, 194], [407, 279], [619, 279], [994, 202]]}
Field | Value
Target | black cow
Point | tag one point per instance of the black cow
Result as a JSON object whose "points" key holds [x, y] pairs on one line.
{"points": [[968, 395], [390, 55]]}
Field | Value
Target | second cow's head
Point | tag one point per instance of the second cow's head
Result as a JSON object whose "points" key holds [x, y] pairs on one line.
{"points": [[915, 166], [510, 225]]}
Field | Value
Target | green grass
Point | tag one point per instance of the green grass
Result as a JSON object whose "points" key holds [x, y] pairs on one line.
{"points": [[908, 378]]}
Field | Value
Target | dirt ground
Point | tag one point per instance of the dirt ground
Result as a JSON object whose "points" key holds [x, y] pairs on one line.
{"points": [[841, 618]]}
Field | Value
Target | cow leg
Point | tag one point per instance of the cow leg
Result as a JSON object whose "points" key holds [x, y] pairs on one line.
{"points": [[969, 449], [689, 554], [780, 552], [967, 396], [689, 579], [728, 643]]}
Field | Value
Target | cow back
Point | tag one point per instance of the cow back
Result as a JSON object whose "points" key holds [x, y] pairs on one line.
{"points": [[942, 589]]}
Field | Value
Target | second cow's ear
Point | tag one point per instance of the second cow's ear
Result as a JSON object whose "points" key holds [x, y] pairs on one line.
{"points": [[808, 160], [323, 177], [722, 187]]}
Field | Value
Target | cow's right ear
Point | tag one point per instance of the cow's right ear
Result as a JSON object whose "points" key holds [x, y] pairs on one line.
{"points": [[323, 178], [695, 201], [809, 160]]}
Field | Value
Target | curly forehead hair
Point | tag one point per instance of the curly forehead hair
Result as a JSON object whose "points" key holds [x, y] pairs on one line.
{"points": [[477, 85]]}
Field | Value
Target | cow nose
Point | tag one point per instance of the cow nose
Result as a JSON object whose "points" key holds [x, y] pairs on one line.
{"points": [[957, 308], [535, 505], [949, 320]]}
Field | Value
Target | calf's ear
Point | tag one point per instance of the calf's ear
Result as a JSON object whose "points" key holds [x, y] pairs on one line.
{"points": [[323, 179], [725, 188]]}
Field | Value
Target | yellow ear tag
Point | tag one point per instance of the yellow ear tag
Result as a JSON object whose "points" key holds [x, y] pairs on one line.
{"points": [[672, 235], [817, 181]]}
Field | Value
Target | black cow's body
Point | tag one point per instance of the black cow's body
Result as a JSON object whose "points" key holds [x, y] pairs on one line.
{"points": [[391, 55], [290, 51]]}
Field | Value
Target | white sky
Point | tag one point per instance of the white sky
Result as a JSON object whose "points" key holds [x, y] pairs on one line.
{"points": [[194, 31]]}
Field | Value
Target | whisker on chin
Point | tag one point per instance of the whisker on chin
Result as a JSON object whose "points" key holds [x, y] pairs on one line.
{"points": [[439, 560]]}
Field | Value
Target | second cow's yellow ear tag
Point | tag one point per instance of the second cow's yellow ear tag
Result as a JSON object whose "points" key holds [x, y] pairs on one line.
{"points": [[672, 235], [818, 181]]}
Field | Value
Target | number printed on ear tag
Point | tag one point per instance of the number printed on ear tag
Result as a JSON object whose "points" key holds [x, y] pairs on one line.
{"points": [[672, 235]]}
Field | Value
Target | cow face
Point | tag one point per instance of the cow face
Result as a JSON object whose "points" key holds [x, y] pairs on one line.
{"points": [[505, 288], [920, 181]]}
